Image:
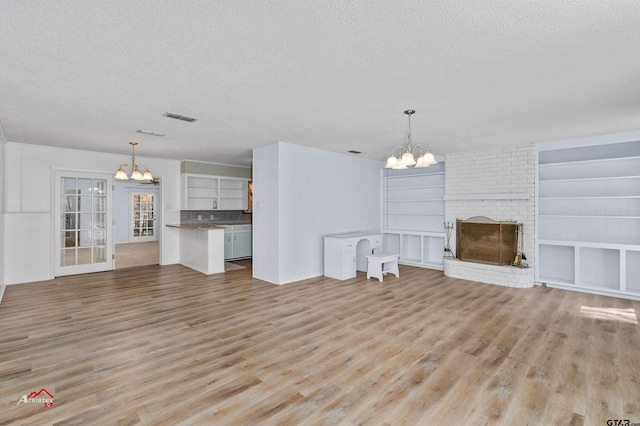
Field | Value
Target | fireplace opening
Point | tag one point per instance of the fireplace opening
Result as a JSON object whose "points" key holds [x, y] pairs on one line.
{"points": [[483, 240]]}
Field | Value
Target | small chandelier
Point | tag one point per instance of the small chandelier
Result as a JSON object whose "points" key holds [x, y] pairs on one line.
{"points": [[405, 156], [133, 168]]}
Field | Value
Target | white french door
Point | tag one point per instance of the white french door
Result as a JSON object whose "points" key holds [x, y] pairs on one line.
{"points": [[83, 225], [142, 217]]}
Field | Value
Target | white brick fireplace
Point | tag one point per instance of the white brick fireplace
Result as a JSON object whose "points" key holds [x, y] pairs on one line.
{"points": [[500, 185]]}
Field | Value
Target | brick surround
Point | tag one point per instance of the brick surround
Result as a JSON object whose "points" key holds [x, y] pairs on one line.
{"points": [[499, 184]]}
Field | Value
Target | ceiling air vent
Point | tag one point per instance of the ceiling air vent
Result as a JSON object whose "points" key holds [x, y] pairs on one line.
{"points": [[179, 117], [149, 132], [352, 151]]}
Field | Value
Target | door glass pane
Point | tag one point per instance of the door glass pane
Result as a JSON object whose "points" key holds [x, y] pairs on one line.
{"points": [[68, 221], [99, 254], [100, 237], [69, 184], [100, 204], [84, 203], [86, 220], [99, 221], [69, 239], [84, 256], [101, 186], [68, 257], [69, 203], [85, 186]]}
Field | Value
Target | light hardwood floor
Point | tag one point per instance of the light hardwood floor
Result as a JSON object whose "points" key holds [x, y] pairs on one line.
{"points": [[129, 255], [167, 345]]}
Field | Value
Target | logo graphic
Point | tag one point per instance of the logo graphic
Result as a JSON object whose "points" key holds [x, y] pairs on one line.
{"points": [[41, 397]]}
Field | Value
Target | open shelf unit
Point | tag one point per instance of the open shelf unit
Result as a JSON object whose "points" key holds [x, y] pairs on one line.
{"points": [[199, 192], [234, 194], [205, 192], [588, 216], [413, 215]]}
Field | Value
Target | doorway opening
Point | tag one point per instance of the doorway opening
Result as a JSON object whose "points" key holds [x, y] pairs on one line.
{"points": [[137, 222]]}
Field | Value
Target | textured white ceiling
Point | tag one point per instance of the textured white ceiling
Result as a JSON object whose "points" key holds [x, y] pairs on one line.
{"points": [[329, 74]]}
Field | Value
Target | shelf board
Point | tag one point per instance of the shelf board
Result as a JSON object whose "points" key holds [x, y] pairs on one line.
{"points": [[428, 265], [589, 216], [206, 197], [418, 200], [588, 197], [414, 174], [415, 214], [588, 179], [393, 188], [438, 234], [589, 244], [597, 160], [552, 280]]}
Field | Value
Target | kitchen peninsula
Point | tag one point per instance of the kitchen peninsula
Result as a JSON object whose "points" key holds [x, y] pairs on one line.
{"points": [[202, 247]]}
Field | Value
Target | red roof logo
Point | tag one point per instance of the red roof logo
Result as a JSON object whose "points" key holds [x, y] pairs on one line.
{"points": [[36, 394]]}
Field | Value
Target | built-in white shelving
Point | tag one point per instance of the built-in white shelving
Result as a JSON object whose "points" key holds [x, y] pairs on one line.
{"points": [[413, 215], [204, 192], [588, 209]]}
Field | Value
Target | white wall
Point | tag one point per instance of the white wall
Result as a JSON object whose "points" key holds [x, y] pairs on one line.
{"points": [[317, 193], [27, 220], [265, 215]]}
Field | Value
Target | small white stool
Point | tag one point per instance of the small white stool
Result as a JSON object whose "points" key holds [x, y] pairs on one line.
{"points": [[380, 263]]}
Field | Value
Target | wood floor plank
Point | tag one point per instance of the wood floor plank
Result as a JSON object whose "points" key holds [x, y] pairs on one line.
{"points": [[168, 345]]}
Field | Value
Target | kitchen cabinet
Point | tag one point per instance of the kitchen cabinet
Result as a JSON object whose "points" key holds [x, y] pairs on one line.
{"points": [[238, 241], [206, 192]]}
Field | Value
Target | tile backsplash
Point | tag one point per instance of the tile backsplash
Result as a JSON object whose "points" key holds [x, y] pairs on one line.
{"points": [[190, 217]]}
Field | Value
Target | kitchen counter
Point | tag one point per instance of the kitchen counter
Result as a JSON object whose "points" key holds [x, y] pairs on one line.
{"points": [[202, 247], [205, 225]]}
